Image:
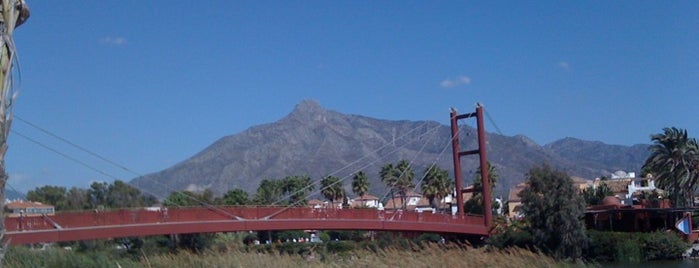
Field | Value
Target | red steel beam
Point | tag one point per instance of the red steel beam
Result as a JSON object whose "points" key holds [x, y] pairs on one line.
{"points": [[483, 159]]}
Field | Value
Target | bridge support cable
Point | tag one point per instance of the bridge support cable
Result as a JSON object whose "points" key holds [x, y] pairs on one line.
{"points": [[481, 151], [96, 155], [360, 159], [50, 220], [430, 131], [410, 163], [444, 149]]}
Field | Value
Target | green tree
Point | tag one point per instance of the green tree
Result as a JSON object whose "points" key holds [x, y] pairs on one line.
{"points": [[398, 178], [674, 162], [297, 188], [235, 197], [360, 184], [123, 195], [405, 177], [475, 204], [97, 194], [436, 185], [331, 189], [553, 211], [76, 199], [189, 198], [269, 192], [51, 195], [595, 195]]}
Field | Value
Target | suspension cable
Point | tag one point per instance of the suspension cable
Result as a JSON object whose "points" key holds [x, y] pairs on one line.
{"points": [[349, 175], [355, 162], [82, 163]]}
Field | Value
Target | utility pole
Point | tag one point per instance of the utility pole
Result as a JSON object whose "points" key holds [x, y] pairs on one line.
{"points": [[12, 14]]}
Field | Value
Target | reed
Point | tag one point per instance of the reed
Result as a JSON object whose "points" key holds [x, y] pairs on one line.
{"points": [[426, 255]]}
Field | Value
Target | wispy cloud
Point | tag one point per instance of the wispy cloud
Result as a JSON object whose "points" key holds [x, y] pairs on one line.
{"points": [[114, 41], [564, 65], [461, 80]]}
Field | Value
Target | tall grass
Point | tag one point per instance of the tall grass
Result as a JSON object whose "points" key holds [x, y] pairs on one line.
{"points": [[427, 255]]}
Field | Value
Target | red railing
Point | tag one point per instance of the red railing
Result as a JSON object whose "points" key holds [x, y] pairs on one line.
{"points": [[80, 225]]}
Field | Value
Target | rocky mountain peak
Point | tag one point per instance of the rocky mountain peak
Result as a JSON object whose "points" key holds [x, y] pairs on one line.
{"points": [[308, 110], [308, 106]]}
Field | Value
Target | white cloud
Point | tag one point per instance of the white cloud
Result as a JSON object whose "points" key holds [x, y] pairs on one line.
{"points": [[461, 80], [115, 41], [564, 65]]}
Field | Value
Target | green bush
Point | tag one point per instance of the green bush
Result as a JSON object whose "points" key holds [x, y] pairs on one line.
{"points": [[634, 247], [340, 246], [628, 251], [603, 245], [429, 238], [511, 237], [662, 246]]}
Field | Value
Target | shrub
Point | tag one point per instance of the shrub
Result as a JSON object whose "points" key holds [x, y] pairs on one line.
{"points": [[628, 250], [340, 246], [429, 238], [662, 246], [634, 247], [511, 237]]}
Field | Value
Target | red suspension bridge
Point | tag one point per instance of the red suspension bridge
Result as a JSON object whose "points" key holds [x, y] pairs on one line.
{"points": [[88, 225]]}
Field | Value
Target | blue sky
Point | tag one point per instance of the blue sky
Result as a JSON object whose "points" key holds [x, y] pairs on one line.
{"points": [[148, 84]]}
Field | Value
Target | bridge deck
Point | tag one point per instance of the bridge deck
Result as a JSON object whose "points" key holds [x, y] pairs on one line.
{"points": [[86, 225]]}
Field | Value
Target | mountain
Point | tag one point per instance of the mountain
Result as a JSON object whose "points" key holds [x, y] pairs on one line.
{"points": [[318, 142], [13, 194]]}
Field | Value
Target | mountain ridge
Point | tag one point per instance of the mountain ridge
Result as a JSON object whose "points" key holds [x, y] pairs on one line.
{"points": [[315, 141]]}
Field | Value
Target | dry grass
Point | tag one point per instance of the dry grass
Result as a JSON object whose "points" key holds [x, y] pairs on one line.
{"points": [[431, 256]]}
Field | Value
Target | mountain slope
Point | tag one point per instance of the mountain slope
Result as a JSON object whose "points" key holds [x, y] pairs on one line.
{"points": [[317, 142]]}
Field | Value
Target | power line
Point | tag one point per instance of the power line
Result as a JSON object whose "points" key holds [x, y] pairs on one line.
{"points": [[63, 155], [78, 146], [101, 158]]}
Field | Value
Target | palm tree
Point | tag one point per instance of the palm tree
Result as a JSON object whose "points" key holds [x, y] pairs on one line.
{"points": [[437, 184], [398, 178], [674, 161], [404, 183], [388, 177], [360, 184], [14, 13], [297, 188], [331, 188], [269, 192], [475, 204]]}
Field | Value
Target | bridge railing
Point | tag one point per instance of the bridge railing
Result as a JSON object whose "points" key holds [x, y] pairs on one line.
{"points": [[79, 219]]}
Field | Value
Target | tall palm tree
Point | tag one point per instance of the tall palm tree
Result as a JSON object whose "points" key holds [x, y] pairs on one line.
{"points": [[13, 14], [360, 184], [388, 175], [269, 192], [398, 178], [475, 204], [436, 185], [405, 176], [331, 188], [297, 188], [673, 162]]}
